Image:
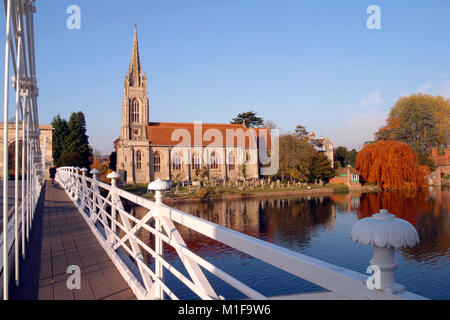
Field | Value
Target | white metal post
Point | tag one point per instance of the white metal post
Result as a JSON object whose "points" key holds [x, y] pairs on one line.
{"points": [[24, 202], [28, 172], [5, 153], [159, 186], [159, 248], [16, 202]]}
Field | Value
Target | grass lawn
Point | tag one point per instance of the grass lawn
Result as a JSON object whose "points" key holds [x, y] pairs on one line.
{"points": [[205, 193]]}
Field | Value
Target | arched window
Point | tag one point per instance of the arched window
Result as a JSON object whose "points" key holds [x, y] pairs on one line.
{"points": [[196, 162], [157, 162], [213, 162], [135, 110], [176, 162], [231, 161], [139, 160]]}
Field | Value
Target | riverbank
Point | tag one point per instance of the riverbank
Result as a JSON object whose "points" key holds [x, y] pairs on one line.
{"points": [[188, 195]]}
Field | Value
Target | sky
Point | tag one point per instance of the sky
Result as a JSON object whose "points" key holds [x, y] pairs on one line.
{"points": [[313, 63]]}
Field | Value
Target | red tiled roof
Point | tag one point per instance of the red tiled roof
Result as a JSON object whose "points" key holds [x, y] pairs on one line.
{"points": [[160, 133]]}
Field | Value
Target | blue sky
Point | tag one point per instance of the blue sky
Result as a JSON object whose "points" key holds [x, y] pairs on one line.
{"points": [[313, 63]]}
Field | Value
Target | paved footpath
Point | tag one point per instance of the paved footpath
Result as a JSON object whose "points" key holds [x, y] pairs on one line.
{"points": [[61, 238]]}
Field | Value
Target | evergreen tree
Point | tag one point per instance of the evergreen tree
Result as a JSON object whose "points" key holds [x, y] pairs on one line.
{"points": [[301, 133], [77, 142], [321, 168], [350, 158], [340, 154], [249, 119], [59, 136], [113, 161]]}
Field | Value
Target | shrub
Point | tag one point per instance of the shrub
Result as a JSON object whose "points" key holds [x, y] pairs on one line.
{"points": [[206, 193]]}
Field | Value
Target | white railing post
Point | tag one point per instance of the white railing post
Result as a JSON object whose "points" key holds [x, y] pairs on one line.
{"points": [[385, 233], [94, 188], [114, 176], [159, 186], [77, 184], [83, 188]]}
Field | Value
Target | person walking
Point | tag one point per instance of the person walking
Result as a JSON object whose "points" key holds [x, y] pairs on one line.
{"points": [[52, 173]]}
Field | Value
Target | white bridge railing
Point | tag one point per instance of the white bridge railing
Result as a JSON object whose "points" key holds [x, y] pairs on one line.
{"points": [[29, 165], [117, 232]]}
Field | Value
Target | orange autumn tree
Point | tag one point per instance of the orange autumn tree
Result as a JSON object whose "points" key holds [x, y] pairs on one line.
{"points": [[103, 169], [391, 165]]}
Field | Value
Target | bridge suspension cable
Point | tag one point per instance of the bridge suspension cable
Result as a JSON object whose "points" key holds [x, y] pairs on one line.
{"points": [[28, 175]]}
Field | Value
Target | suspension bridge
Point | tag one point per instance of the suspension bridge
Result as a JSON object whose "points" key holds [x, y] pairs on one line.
{"points": [[79, 222]]}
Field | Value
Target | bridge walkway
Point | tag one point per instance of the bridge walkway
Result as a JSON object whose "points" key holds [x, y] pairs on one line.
{"points": [[61, 238]]}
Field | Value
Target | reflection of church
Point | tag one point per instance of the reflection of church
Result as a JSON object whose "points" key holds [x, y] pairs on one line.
{"points": [[148, 151], [46, 135]]}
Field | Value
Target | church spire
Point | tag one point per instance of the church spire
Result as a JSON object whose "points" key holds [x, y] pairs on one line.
{"points": [[135, 70]]}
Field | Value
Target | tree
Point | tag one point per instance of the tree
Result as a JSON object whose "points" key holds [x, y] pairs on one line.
{"points": [[243, 171], [421, 121], [70, 160], [301, 133], [77, 142], [320, 168], [60, 134], [113, 161], [350, 158], [339, 156], [296, 158], [391, 165], [249, 119]]}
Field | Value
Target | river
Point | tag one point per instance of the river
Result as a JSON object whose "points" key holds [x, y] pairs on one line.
{"points": [[319, 226]]}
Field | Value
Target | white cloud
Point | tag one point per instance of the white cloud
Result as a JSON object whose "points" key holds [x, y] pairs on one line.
{"points": [[361, 126], [442, 75], [373, 99]]}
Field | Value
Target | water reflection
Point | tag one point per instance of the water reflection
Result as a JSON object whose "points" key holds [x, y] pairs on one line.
{"points": [[310, 225], [296, 220]]}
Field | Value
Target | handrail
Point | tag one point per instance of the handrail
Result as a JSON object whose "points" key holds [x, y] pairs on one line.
{"points": [[148, 284]]}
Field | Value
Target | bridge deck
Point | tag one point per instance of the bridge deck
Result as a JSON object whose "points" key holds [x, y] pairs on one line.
{"points": [[61, 238]]}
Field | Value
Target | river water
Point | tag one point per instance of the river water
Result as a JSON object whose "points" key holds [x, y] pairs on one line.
{"points": [[318, 226]]}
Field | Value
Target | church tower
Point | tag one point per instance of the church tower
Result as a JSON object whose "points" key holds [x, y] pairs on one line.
{"points": [[135, 106]]}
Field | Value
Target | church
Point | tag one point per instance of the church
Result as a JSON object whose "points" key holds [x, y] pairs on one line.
{"points": [[183, 152]]}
